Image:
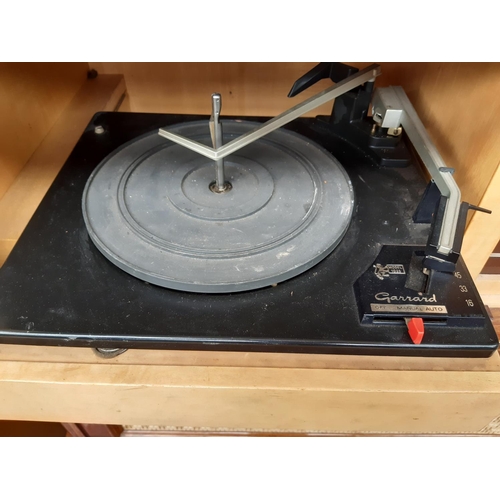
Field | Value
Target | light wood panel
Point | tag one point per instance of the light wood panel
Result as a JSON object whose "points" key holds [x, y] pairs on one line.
{"points": [[260, 399], [24, 195], [483, 230], [492, 300], [133, 357], [488, 286], [250, 392], [492, 265], [32, 97], [459, 103], [248, 89]]}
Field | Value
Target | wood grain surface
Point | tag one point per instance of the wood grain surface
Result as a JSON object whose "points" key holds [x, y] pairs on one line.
{"points": [[24, 195], [482, 233], [32, 97], [289, 399]]}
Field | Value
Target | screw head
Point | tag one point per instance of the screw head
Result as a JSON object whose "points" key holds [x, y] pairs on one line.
{"points": [[99, 129], [225, 188]]}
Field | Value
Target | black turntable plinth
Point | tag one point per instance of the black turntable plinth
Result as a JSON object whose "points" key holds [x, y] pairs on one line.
{"points": [[368, 296]]}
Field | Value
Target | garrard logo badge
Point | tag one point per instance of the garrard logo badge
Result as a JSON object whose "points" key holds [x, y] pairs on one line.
{"points": [[407, 304], [382, 272], [386, 297]]}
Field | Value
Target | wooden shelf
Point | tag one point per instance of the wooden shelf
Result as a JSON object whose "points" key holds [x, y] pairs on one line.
{"points": [[250, 392]]}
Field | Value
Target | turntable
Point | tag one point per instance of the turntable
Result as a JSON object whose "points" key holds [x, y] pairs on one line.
{"points": [[334, 234]]}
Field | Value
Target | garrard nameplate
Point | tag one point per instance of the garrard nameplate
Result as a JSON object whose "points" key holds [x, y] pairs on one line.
{"points": [[409, 308]]}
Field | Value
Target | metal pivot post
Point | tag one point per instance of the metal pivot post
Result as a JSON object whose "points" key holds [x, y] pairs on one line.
{"points": [[220, 185]]}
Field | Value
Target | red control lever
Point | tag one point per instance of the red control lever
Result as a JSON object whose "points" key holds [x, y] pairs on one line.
{"points": [[415, 329]]}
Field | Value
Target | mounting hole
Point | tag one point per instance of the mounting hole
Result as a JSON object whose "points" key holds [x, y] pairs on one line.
{"points": [[225, 188]]}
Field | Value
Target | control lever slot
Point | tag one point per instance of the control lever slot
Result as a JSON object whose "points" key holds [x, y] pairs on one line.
{"points": [[380, 320]]}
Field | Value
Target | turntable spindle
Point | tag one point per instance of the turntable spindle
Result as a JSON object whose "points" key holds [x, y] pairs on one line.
{"points": [[220, 185]]}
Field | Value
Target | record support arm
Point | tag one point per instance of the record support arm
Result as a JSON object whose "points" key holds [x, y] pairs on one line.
{"points": [[391, 109], [349, 83]]}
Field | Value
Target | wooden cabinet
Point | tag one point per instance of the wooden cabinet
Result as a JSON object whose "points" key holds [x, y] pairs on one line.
{"points": [[45, 108]]}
